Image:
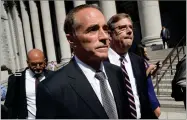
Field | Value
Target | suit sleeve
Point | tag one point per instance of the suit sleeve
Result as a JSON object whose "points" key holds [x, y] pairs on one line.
{"points": [[44, 103], [10, 100]]}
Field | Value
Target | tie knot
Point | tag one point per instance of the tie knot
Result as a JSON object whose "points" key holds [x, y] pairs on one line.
{"points": [[121, 58], [37, 76], [100, 75]]}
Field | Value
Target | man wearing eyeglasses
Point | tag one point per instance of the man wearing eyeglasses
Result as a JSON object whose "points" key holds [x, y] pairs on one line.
{"points": [[133, 67], [21, 94]]}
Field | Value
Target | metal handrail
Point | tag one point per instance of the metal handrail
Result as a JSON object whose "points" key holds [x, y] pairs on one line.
{"points": [[171, 62], [171, 53]]}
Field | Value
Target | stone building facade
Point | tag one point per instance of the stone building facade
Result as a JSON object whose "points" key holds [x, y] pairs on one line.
{"points": [[39, 24]]}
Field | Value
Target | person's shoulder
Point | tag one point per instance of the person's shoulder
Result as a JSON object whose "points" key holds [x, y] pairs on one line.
{"points": [[137, 60], [58, 77], [49, 72], [110, 66], [57, 81], [13, 77], [135, 56]]}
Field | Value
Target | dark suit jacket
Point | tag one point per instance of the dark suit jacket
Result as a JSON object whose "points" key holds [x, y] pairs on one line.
{"points": [[16, 96], [139, 71], [67, 94], [165, 36]]}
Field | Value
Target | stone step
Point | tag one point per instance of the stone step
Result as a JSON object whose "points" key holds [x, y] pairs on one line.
{"points": [[171, 104], [173, 113], [163, 91], [170, 109], [164, 86], [167, 76], [165, 97], [166, 81], [163, 56], [153, 56], [168, 72], [165, 67]]}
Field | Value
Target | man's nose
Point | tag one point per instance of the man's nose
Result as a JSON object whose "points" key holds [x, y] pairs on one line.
{"points": [[103, 35], [37, 66], [129, 31]]}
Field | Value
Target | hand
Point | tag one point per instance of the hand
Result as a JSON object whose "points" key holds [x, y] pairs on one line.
{"points": [[150, 69], [157, 111]]}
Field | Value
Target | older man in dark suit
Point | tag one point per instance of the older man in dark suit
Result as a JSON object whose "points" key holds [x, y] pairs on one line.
{"points": [[87, 87], [21, 94], [133, 67]]}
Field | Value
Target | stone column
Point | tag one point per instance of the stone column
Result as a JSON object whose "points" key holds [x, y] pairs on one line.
{"points": [[78, 2], [150, 22], [108, 8], [14, 43], [35, 25], [19, 38], [46, 18], [64, 45], [0, 40], [26, 27], [9, 41]]}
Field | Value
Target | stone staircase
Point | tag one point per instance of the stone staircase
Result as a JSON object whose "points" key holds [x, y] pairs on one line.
{"points": [[168, 104]]}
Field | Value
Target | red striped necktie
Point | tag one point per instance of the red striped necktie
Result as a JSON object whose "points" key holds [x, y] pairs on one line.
{"points": [[130, 95]]}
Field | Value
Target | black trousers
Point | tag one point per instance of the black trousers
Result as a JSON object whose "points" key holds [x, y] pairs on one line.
{"points": [[165, 42]]}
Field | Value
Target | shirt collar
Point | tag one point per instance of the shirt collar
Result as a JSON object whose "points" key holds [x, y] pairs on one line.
{"points": [[88, 69], [126, 57], [114, 56], [31, 74]]}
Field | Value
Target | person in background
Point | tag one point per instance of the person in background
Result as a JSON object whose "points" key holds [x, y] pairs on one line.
{"points": [[165, 35], [179, 82], [142, 51], [52, 66], [133, 67], [3, 92], [22, 87]]}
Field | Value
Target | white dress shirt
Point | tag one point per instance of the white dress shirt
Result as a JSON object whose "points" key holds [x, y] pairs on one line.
{"points": [[114, 59], [89, 72], [30, 93]]}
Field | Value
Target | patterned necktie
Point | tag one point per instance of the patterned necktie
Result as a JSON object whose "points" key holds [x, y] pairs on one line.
{"points": [[107, 98], [130, 95]]}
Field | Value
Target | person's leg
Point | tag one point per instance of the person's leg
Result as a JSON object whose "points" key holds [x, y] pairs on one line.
{"points": [[163, 43]]}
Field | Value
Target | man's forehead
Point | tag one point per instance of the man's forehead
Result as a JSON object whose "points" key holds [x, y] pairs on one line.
{"points": [[36, 58], [124, 21], [87, 14]]}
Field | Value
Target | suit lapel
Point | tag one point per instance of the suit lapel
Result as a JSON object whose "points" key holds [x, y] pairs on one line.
{"points": [[83, 88], [22, 95], [47, 73], [136, 71]]}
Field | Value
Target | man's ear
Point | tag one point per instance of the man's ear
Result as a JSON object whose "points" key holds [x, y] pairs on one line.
{"points": [[70, 40], [27, 62]]}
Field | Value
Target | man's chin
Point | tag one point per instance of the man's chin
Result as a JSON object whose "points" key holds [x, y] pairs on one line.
{"points": [[36, 72], [102, 56]]}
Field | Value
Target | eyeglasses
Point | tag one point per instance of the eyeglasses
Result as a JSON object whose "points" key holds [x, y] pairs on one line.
{"points": [[123, 28], [41, 64]]}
